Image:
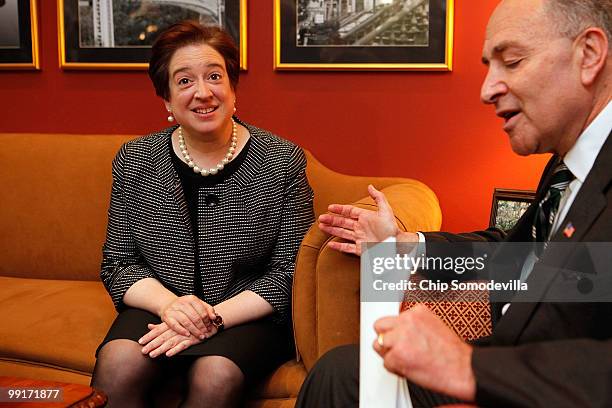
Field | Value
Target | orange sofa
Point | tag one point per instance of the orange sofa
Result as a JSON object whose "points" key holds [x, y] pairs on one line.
{"points": [[54, 308]]}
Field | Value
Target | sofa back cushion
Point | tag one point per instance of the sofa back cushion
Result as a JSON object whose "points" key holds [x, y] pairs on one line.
{"points": [[56, 191]]}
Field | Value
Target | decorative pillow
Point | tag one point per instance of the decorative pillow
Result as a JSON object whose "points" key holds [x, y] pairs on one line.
{"points": [[466, 312]]}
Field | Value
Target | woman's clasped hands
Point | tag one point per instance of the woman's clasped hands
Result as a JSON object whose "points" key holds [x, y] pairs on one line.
{"points": [[186, 321]]}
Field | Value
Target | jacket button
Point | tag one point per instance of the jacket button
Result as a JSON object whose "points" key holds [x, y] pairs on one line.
{"points": [[211, 200]]}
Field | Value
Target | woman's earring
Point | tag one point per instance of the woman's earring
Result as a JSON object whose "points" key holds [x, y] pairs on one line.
{"points": [[234, 106], [170, 117]]}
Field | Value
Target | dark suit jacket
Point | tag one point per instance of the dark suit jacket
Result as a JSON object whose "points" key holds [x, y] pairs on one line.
{"points": [[551, 354]]}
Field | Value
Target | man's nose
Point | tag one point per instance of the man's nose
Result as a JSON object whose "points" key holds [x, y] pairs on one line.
{"points": [[492, 88]]}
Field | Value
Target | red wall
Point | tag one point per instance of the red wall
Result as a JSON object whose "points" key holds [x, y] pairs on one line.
{"points": [[429, 126]]}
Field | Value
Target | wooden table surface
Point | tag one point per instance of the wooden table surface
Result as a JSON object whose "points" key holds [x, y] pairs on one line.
{"points": [[73, 395]]}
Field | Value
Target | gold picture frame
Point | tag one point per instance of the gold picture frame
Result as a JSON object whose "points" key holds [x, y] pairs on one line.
{"points": [[19, 48], [338, 42], [73, 56]]}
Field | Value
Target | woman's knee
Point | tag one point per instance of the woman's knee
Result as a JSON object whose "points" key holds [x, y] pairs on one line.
{"points": [[121, 362], [215, 375]]}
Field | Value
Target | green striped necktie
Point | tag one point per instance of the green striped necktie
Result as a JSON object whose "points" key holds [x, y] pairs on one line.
{"points": [[549, 206]]}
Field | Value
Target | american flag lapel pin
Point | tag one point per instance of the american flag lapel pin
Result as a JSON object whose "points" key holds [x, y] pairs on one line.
{"points": [[569, 230]]}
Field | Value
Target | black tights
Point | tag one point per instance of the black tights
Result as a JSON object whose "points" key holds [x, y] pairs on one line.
{"points": [[130, 378]]}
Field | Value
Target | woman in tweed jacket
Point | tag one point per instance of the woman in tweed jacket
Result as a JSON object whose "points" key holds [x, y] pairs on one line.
{"points": [[204, 225]]}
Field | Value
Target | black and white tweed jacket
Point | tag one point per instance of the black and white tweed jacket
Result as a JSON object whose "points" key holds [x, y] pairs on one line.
{"points": [[248, 241]]}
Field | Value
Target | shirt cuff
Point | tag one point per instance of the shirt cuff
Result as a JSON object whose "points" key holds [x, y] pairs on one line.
{"points": [[419, 234]]}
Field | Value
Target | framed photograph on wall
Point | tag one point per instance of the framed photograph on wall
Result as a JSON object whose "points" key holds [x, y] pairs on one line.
{"points": [[508, 206], [363, 35], [118, 34], [18, 34]]}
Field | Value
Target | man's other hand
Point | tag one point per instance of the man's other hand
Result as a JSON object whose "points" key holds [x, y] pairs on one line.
{"points": [[417, 345]]}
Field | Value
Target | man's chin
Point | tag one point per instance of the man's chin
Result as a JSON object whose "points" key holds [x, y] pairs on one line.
{"points": [[520, 147], [523, 152]]}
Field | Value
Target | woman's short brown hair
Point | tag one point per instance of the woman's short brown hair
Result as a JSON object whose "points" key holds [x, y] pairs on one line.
{"points": [[187, 33]]}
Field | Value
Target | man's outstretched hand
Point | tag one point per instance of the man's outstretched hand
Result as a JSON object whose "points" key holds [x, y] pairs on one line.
{"points": [[357, 225]]}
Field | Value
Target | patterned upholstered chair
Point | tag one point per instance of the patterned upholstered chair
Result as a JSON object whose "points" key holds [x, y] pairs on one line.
{"points": [[467, 312]]}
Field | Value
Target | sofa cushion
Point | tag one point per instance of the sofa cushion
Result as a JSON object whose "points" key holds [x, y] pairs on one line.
{"points": [[53, 217], [27, 369], [284, 382], [271, 403], [54, 322]]}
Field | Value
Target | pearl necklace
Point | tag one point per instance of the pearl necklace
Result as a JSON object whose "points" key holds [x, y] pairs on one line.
{"points": [[220, 165]]}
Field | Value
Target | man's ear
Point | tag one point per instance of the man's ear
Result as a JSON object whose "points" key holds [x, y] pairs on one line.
{"points": [[593, 46]]}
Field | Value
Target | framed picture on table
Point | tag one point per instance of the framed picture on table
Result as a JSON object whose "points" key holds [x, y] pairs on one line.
{"points": [[508, 206], [363, 35], [118, 34], [19, 34]]}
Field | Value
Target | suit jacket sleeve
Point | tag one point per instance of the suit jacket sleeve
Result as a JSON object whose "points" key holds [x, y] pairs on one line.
{"points": [[297, 216], [563, 373], [488, 235], [122, 263]]}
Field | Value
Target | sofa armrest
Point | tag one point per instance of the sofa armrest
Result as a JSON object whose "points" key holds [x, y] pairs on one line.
{"points": [[326, 282]]}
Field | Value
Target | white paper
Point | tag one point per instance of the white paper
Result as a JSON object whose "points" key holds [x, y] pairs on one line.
{"points": [[378, 388]]}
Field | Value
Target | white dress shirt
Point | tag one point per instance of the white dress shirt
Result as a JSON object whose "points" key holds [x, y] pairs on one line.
{"points": [[579, 160]]}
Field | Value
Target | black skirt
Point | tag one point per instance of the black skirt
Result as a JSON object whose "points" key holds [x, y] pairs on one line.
{"points": [[256, 347]]}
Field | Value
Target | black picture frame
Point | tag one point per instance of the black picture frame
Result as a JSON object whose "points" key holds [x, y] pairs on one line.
{"points": [[73, 55], [391, 35], [19, 50], [508, 206]]}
